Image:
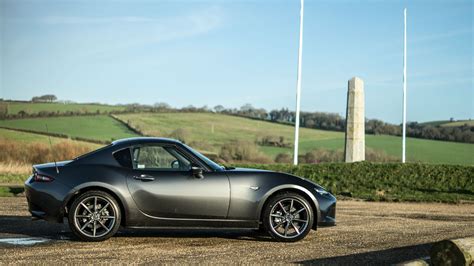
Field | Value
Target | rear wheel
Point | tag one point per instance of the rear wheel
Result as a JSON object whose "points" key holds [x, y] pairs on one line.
{"points": [[94, 216], [288, 217]]}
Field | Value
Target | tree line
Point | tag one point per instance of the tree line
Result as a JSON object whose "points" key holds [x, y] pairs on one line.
{"points": [[324, 120], [316, 120]]}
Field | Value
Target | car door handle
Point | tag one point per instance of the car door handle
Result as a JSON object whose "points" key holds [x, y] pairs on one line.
{"points": [[144, 177]]}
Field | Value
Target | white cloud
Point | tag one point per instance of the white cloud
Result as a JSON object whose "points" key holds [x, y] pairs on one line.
{"points": [[60, 20], [90, 36]]}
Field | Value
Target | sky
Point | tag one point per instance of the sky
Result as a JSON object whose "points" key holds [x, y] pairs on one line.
{"points": [[237, 52]]}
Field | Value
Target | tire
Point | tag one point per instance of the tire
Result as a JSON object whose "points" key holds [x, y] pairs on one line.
{"points": [[288, 217], [94, 216]]}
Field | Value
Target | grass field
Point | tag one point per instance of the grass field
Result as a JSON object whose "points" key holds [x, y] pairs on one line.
{"points": [[459, 123], [447, 123], [217, 129], [99, 127], [33, 108], [24, 137], [210, 131]]}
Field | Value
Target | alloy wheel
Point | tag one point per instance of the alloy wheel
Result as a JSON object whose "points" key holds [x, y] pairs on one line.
{"points": [[289, 218], [95, 216]]}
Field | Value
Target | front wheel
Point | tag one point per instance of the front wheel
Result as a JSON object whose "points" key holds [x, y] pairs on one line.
{"points": [[288, 217], [94, 216]]}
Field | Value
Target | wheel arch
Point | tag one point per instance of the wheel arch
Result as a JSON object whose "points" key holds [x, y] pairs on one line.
{"points": [[296, 189], [89, 187]]}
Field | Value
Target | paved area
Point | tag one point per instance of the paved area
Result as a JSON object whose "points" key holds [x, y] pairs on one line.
{"points": [[367, 233]]}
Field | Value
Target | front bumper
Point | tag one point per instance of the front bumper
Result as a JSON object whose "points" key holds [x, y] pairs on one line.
{"points": [[45, 200], [329, 219], [327, 207]]}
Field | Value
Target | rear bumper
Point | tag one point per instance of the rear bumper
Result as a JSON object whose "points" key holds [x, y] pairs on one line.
{"points": [[45, 200]]}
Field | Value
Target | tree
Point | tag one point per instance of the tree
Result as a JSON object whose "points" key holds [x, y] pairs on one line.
{"points": [[3, 110], [246, 108], [44, 98], [219, 108], [162, 105]]}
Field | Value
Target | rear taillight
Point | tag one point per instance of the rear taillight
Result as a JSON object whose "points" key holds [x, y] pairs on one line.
{"points": [[42, 178]]}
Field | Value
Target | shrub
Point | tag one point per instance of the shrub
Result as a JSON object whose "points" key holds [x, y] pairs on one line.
{"points": [[388, 181], [201, 145], [273, 141], [283, 158], [241, 151], [180, 134], [333, 156]]}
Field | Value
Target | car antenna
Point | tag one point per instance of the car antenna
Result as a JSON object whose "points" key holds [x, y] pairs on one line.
{"points": [[51, 147]]}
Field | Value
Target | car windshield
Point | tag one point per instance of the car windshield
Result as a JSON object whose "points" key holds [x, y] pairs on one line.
{"points": [[208, 161]]}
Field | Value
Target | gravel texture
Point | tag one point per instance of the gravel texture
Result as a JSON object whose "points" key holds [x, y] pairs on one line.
{"points": [[366, 233]]}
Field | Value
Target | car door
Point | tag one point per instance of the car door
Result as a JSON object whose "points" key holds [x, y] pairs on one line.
{"points": [[163, 185]]}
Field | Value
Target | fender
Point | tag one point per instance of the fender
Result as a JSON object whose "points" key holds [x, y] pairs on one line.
{"points": [[122, 200], [274, 190]]}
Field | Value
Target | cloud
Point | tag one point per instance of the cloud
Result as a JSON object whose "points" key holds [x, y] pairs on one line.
{"points": [[100, 35], [61, 20]]}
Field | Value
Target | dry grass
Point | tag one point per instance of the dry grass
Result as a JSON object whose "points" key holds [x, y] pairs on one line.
{"points": [[16, 156], [14, 168]]}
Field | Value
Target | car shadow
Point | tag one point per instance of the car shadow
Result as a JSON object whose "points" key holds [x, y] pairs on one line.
{"points": [[23, 225], [378, 257], [236, 234]]}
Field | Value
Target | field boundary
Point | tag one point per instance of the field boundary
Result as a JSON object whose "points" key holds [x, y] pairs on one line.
{"points": [[56, 135], [134, 130]]}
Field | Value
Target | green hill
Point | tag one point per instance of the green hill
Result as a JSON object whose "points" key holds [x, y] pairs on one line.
{"points": [[216, 129], [100, 127], [209, 131], [447, 123], [27, 138], [61, 108], [459, 123]]}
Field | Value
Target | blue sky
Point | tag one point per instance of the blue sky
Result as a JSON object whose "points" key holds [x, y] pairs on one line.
{"points": [[237, 52]]}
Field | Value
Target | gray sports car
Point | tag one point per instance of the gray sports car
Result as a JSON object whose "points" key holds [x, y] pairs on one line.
{"points": [[157, 182]]}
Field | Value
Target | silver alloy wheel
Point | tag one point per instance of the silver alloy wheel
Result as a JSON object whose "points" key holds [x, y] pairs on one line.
{"points": [[289, 218], [95, 216]]}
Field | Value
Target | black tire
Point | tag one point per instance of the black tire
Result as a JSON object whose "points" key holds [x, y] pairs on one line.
{"points": [[285, 224], [94, 223]]}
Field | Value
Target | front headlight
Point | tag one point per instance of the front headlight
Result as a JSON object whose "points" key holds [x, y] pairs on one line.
{"points": [[321, 191]]}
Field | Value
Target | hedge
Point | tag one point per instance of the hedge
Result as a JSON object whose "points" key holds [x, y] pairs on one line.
{"points": [[387, 181]]}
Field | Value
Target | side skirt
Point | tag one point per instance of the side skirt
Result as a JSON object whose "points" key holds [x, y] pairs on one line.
{"points": [[194, 224]]}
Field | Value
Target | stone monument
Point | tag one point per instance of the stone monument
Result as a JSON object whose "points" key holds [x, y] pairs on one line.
{"points": [[354, 149]]}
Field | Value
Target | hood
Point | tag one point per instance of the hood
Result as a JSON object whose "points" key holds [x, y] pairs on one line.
{"points": [[239, 169]]}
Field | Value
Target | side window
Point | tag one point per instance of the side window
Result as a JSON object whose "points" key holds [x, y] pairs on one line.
{"points": [[159, 158], [124, 158]]}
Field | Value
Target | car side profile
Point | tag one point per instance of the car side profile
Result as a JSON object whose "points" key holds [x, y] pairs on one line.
{"points": [[158, 182]]}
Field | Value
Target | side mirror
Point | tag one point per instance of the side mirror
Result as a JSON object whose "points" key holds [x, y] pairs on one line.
{"points": [[175, 164], [197, 172]]}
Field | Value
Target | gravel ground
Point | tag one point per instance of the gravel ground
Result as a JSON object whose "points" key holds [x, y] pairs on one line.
{"points": [[366, 233]]}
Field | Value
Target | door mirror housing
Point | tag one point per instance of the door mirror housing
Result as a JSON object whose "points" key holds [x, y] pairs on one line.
{"points": [[175, 164], [197, 172]]}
